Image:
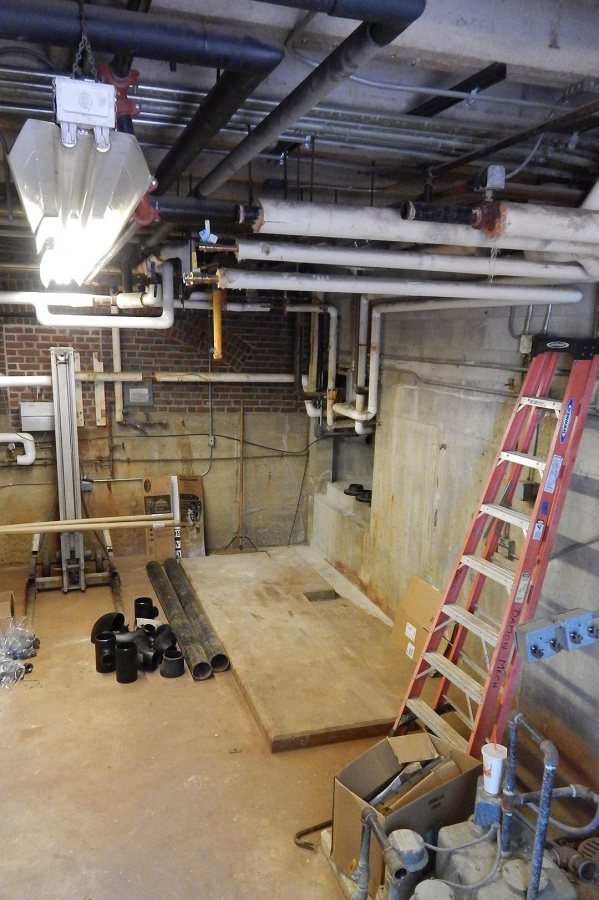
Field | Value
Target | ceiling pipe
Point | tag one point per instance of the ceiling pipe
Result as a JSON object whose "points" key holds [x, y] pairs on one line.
{"points": [[522, 220], [327, 255], [121, 62], [237, 279], [384, 224], [492, 74], [382, 12], [368, 414], [151, 36], [350, 55]]}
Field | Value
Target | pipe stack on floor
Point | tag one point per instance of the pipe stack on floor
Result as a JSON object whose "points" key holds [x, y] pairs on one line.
{"points": [[199, 642]]}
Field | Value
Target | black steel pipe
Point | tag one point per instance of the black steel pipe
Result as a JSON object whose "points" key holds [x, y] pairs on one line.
{"points": [[228, 94], [195, 657], [122, 62], [350, 55], [151, 36], [384, 12], [413, 211], [195, 612]]}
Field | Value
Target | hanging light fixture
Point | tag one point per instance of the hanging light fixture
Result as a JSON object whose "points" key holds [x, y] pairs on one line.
{"points": [[79, 180]]}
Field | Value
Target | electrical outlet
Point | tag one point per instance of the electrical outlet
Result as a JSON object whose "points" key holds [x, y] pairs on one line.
{"points": [[211, 440]]}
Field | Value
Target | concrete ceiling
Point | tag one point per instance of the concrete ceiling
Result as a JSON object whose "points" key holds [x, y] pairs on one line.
{"points": [[360, 145]]}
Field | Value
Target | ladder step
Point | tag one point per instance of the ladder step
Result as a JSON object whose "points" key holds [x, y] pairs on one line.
{"points": [[490, 569], [506, 514], [437, 724], [472, 623], [543, 403], [522, 459], [457, 676]]}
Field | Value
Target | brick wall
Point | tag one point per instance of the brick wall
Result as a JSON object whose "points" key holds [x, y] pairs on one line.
{"points": [[253, 342]]}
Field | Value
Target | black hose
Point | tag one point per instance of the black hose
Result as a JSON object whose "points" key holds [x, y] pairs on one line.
{"points": [[196, 614], [193, 651]]}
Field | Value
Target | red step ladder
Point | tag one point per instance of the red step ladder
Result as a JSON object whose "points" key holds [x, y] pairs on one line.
{"points": [[480, 691]]}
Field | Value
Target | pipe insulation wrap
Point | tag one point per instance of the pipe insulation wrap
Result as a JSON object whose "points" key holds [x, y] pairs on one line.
{"points": [[385, 224], [236, 279], [198, 619], [403, 259], [195, 657]]}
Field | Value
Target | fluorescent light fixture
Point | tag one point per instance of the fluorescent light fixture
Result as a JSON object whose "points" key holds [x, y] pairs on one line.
{"points": [[77, 196]]}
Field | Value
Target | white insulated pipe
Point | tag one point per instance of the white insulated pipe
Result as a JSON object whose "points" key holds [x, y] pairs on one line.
{"points": [[332, 348], [17, 381], [554, 223], [117, 366], [236, 279], [403, 259], [385, 224], [362, 342], [222, 377], [346, 409], [42, 302], [21, 437]]}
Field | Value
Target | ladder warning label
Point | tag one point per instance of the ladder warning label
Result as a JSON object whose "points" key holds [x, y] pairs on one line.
{"points": [[523, 586], [554, 470], [538, 530]]}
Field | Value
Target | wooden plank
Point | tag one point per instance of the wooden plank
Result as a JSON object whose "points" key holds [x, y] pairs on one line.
{"points": [[99, 394], [312, 673]]}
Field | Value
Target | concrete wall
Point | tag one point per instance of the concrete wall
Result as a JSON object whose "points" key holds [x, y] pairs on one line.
{"points": [[439, 429]]}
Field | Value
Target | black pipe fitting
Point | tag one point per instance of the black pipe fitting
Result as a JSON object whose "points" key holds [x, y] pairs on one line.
{"points": [[126, 662], [112, 621], [164, 638], [105, 643], [172, 665], [144, 608], [127, 637], [148, 657]]}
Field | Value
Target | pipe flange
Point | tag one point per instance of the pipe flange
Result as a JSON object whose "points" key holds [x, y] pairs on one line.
{"points": [[173, 664]]}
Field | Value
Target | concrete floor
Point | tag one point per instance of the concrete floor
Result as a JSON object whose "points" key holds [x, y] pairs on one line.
{"points": [[151, 789]]}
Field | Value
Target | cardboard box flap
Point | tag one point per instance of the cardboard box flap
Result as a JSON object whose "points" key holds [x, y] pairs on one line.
{"points": [[439, 776], [384, 761]]}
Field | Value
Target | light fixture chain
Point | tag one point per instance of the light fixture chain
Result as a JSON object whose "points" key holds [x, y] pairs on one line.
{"points": [[84, 48]]}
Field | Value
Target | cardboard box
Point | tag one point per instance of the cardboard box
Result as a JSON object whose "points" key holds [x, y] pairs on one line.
{"points": [[160, 540], [444, 797], [417, 609], [7, 605]]}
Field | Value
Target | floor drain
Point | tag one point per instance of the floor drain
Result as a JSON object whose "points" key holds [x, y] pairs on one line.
{"points": [[324, 594]]}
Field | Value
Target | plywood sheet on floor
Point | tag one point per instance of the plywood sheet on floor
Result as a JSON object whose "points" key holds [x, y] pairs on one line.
{"points": [[312, 672]]}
